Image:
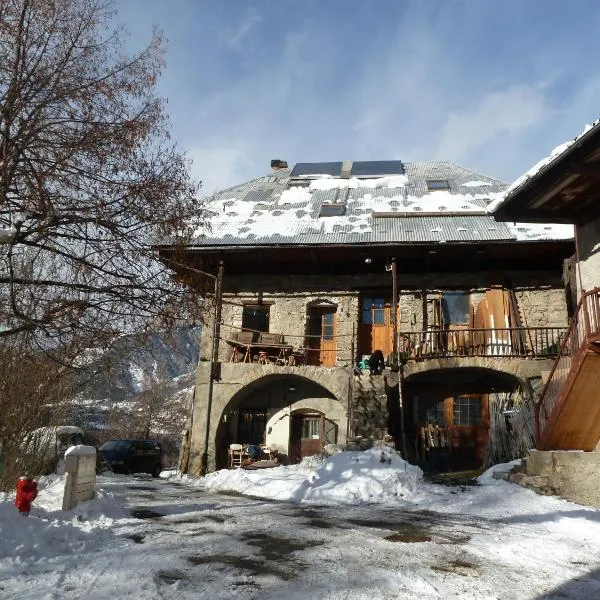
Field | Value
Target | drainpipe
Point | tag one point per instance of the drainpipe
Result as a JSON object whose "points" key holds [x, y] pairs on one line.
{"points": [[213, 365]]}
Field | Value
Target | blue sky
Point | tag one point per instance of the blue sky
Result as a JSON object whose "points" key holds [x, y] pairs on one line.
{"points": [[491, 85]]}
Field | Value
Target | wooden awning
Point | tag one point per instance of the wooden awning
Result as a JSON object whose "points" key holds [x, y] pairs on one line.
{"points": [[567, 190]]}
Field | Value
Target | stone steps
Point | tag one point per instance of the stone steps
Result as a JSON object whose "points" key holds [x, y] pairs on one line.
{"points": [[370, 414]]}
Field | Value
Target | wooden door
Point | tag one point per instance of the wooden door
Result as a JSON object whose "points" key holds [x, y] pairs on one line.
{"points": [[322, 342], [307, 435], [468, 416], [377, 327]]}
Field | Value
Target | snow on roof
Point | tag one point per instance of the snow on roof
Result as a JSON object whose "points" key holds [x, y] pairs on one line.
{"points": [[284, 210], [541, 231], [475, 184], [544, 162], [331, 183]]}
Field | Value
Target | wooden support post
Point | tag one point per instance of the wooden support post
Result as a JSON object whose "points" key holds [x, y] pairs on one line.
{"points": [[401, 403], [214, 361], [394, 360]]}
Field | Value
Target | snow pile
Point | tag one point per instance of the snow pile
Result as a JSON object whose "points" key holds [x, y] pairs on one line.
{"points": [[50, 531], [375, 475], [295, 195]]}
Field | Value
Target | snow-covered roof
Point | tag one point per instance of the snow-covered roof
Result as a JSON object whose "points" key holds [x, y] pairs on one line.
{"points": [[541, 166], [426, 202]]}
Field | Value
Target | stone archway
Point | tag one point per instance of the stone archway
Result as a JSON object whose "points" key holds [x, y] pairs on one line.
{"points": [[523, 369], [448, 406], [245, 415]]}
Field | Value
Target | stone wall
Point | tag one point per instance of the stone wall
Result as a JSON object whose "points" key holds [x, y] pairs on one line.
{"points": [[572, 475], [589, 254], [543, 307], [540, 295]]}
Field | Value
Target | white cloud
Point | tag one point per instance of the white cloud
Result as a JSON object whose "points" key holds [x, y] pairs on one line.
{"points": [[219, 164], [510, 112], [419, 92], [235, 37]]}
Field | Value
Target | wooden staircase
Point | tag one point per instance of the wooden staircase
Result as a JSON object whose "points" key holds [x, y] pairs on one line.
{"points": [[568, 411]]}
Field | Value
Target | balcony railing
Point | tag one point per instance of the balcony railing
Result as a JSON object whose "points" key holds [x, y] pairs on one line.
{"points": [[585, 328], [507, 342]]}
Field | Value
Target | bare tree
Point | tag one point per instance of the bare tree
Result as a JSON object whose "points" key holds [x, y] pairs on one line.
{"points": [[88, 178], [33, 390]]}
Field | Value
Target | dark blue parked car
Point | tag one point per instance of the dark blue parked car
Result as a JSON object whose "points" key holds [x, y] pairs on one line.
{"points": [[133, 456]]}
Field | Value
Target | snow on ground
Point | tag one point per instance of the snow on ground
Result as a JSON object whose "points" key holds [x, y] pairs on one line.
{"points": [[358, 525], [375, 475]]}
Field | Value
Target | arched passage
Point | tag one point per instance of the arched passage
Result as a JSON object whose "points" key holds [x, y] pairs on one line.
{"points": [[261, 413], [447, 414]]}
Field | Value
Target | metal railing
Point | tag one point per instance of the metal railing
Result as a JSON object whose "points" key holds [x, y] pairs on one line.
{"points": [[585, 328], [506, 342]]}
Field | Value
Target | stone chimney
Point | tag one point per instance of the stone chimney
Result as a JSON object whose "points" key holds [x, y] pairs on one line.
{"points": [[277, 164]]}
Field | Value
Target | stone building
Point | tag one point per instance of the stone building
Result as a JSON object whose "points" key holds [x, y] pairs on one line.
{"points": [[327, 263]]}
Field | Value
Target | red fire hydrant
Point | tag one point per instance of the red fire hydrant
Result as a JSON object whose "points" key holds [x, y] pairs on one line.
{"points": [[26, 494]]}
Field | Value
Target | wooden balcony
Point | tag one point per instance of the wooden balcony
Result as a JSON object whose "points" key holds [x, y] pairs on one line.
{"points": [[507, 342]]}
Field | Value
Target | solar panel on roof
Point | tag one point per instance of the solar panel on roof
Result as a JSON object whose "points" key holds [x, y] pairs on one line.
{"points": [[371, 168], [320, 168]]}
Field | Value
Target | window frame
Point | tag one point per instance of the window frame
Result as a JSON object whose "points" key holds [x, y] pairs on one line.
{"points": [[312, 423], [438, 185], [331, 209]]}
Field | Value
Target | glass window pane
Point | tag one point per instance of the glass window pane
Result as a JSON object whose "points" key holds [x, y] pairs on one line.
{"points": [[435, 414], [310, 429], [467, 410], [378, 316], [456, 307], [256, 318]]}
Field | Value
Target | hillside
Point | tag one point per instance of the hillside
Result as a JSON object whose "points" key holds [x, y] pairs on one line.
{"points": [[140, 386]]}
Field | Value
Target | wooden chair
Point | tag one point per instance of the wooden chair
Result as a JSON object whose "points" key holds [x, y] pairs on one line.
{"points": [[267, 451], [297, 357], [235, 455]]}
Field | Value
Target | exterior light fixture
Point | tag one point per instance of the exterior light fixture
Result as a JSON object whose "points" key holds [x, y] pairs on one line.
{"points": [[368, 260]]}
